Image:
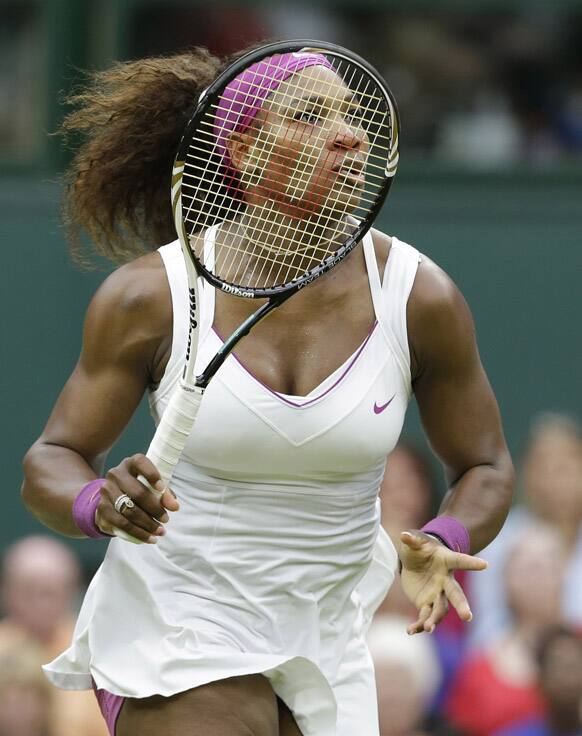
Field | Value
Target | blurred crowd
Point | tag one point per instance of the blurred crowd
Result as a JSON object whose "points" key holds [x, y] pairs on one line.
{"points": [[515, 670], [40, 588], [478, 86]]}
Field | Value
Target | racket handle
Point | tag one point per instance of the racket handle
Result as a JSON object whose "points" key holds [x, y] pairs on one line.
{"points": [[174, 429], [170, 438]]}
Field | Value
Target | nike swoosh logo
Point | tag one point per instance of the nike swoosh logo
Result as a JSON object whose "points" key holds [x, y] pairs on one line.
{"points": [[380, 409]]}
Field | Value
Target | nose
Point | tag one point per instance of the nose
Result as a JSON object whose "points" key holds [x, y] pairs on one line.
{"points": [[345, 136]]}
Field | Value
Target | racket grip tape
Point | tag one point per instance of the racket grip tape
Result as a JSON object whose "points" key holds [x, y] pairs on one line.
{"points": [[170, 438], [173, 430]]}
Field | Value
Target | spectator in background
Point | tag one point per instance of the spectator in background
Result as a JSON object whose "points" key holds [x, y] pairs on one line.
{"points": [[309, 20], [560, 679], [498, 686], [26, 697], [39, 586], [407, 676], [551, 481], [485, 135]]}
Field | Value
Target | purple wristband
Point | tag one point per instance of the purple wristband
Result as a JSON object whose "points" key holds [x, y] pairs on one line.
{"points": [[85, 506], [450, 531]]}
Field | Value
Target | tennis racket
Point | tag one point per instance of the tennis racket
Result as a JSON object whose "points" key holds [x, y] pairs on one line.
{"points": [[290, 154]]}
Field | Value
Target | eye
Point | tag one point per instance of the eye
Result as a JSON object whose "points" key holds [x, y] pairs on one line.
{"points": [[311, 117], [354, 116]]}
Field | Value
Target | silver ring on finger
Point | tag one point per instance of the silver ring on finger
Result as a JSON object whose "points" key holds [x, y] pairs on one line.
{"points": [[123, 502]]}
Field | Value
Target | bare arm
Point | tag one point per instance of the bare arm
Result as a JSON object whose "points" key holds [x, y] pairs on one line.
{"points": [[125, 342], [457, 406], [462, 423]]}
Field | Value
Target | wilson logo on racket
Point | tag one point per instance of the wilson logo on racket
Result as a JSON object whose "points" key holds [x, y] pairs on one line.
{"points": [[236, 290], [193, 307], [193, 320]]}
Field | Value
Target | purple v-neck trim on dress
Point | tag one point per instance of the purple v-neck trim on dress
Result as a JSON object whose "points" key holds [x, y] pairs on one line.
{"points": [[285, 397]]}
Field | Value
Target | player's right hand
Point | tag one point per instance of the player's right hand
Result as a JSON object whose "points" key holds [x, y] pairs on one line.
{"points": [[143, 520]]}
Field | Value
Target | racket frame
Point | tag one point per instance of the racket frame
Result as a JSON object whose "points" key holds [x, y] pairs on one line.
{"points": [[211, 96]]}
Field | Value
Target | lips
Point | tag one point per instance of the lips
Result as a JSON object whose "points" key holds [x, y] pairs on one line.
{"points": [[349, 166], [351, 170]]}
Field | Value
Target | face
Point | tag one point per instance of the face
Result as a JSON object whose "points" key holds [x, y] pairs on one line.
{"points": [[38, 588], [553, 476], [534, 576], [307, 149]]}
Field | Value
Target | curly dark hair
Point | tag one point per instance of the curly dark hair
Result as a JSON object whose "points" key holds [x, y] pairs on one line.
{"points": [[131, 118]]}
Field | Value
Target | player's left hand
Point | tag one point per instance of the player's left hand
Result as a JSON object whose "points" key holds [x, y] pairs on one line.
{"points": [[428, 580]]}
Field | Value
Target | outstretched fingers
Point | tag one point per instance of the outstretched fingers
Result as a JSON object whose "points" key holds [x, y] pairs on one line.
{"points": [[460, 561], [414, 541], [430, 616], [423, 615], [439, 610], [457, 598]]}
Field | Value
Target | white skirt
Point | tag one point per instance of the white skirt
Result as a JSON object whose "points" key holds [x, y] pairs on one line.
{"points": [[142, 631]]}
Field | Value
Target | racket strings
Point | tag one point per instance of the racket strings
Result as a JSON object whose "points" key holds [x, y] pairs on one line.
{"points": [[269, 77], [192, 180], [207, 127], [326, 224], [368, 118], [269, 249], [270, 259], [196, 156], [210, 124], [267, 215], [300, 179], [296, 259]]}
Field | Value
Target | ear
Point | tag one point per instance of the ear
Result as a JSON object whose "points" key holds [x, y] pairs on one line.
{"points": [[237, 145]]}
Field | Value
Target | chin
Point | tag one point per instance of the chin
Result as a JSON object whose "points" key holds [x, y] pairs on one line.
{"points": [[332, 203]]}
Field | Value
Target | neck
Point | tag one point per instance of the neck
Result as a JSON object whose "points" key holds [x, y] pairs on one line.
{"points": [[269, 247], [267, 227]]}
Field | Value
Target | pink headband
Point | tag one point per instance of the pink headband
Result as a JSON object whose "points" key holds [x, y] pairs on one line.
{"points": [[244, 96]]}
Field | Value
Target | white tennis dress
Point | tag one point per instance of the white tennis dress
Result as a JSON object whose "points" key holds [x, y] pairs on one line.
{"points": [[274, 562]]}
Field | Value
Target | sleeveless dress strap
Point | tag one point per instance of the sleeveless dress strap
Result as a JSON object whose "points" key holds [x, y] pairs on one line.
{"points": [[390, 296], [173, 261]]}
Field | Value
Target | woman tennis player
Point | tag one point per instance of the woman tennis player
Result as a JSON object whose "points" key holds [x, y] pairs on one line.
{"points": [[245, 608]]}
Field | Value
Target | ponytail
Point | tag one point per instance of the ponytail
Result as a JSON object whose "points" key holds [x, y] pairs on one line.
{"points": [[131, 116]]}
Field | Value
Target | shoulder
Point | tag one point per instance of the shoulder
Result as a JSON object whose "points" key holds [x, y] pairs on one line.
{"points": [[434, 294], [132, 310], [440, 323], [139, 288]]}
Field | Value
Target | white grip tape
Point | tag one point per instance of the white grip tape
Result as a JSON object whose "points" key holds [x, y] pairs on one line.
{"points": [[174, 429], [170, 438]]}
